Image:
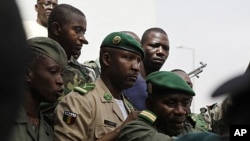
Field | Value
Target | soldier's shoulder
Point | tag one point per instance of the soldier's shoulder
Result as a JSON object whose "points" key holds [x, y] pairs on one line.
{"points": [[84, 89]]}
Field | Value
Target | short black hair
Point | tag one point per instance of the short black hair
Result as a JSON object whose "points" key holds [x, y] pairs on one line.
{"points": [[60, 14], [154, 29]]}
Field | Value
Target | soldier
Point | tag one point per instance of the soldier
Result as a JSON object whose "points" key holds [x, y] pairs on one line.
{"points": [[67, 25], [198, 121], [97, 111], [168, 104], [43, 83], [233, 110]]}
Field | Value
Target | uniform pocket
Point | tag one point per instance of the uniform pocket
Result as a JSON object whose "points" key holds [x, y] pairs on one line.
{"points": [[103, 129]]}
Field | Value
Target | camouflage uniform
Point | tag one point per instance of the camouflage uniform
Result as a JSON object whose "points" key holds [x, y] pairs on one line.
{"points": [[89, 69], [198, 122]]}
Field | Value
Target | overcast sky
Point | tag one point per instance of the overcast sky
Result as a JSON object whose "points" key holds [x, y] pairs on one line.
{"points": [[217, 30]]}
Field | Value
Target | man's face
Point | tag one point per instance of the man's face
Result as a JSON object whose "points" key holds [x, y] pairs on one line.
{"points": [[72, 33], [172, 111], [44, 8], [156, 48], [124, 68], [45, 80]]}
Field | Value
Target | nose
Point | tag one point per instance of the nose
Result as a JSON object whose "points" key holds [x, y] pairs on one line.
{"points": [[180, 110], [83, 39], [136, 65], [59, 80], [160, 51]]}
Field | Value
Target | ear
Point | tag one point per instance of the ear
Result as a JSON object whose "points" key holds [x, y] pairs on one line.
{"points": [[36, 7], [27, 75], [106, 58], [56, 28], [148, 103]]}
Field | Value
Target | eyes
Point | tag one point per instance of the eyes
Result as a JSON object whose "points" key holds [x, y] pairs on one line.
{"points": [[55, 71], [157, 45], [174, 102], [79, 30]]}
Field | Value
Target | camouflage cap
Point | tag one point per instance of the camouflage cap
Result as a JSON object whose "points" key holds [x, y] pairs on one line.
{"points": [[123, 41], [164, 82], [50, 48]]}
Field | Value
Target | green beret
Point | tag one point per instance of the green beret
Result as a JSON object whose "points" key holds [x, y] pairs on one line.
{"points": [[50, 48], [123, 41], [164, 81]]}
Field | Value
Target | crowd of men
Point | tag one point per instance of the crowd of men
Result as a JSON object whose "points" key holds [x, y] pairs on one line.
{"points": [[122, 96]]}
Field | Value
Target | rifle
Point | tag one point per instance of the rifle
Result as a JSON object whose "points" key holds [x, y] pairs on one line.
{"points": [[197, 71]]}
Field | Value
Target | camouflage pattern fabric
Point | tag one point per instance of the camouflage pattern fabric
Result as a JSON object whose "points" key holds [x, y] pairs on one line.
{"points": [[72, 77], [93, 67], [198, 122], [208, 119], [214, 112], [89, 69]]}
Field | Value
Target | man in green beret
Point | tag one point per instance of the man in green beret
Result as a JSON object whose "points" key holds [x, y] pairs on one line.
{"points": [[43, 83], [97, 111], [200, 121], [168, 102]]}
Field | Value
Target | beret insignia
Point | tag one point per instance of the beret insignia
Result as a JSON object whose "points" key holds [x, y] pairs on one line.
{"points": [[116, 40], [69, 117]]}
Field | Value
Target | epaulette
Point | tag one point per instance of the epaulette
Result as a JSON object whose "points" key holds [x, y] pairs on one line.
{"points": [[148, 116], [85, 88]]}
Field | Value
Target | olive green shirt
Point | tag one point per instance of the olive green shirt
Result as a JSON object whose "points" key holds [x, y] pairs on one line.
{"points": [[24, 131], [141, 130]]}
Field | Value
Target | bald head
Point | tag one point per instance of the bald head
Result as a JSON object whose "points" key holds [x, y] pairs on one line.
{"points": [[183, 75]]}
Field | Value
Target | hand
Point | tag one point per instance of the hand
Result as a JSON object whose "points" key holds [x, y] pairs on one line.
{"points": [[132, 116]]}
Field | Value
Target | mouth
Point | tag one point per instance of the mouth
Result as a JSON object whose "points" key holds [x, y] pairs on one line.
{"points": [[159, 60], [78, 47], [178, 124], [47, 13], [59, 93], [133, 77]]}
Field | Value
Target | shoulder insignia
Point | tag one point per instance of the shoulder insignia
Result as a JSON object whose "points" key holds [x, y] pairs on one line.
{"points": [[148, 115], [107, 96], [85, 88], [69, 117], [129, 104]]}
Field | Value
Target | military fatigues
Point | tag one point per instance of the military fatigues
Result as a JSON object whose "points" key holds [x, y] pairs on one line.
{"points": [[143, 129], [88, 116], [89, 69], [23, 130], [199, 122]]}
